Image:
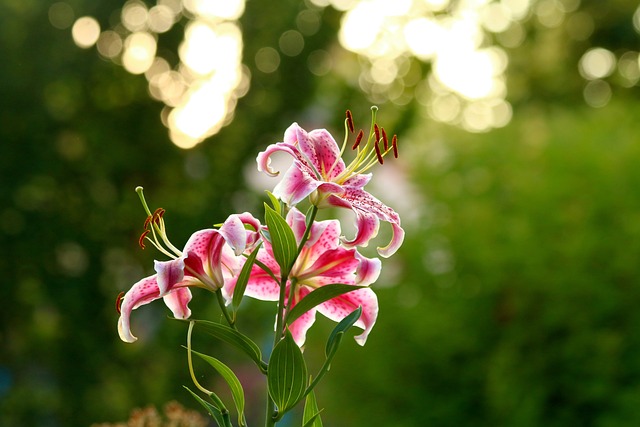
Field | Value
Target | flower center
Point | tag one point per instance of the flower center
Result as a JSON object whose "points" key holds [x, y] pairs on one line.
{"points": [[368, 153]]}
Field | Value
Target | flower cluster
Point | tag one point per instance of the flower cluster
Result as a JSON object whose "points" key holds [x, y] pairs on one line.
{"points": [[305, 265]]}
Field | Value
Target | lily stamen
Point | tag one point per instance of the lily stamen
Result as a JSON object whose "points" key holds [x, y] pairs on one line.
{"points": [[384, 138], [358, 139], [141, 239], [350, 121], [394, 143], [154, 224], [119, 299], [378, 153], [376, 129]]}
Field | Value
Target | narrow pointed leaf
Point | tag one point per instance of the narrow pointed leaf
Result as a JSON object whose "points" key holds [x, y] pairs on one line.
{"points": [[287, 374], [317, 297], [234, 383], [283, 241], [342, 327], [233, 337], [243, 279], [311, 414], [210, 408], [274, 201]]}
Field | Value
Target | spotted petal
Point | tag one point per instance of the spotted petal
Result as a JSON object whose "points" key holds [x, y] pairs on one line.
{"points": [[332, 266], [302, 324], [340, 307], [319, 148], [142, 292], [369, 211], [316, 164], [260, 285], [296, 184], [204, 252]]}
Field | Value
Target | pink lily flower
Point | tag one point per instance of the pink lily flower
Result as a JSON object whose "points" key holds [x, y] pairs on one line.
{"points": [[319, 171], [322, 261], [209, 258]]}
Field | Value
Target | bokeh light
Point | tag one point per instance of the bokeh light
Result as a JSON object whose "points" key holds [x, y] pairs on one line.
{"points": [[85, 32], [465, 84], [267, 59], [61, 15], [597, 93], [467, 78], [139, 52], [200, 92], [629, 68], [597, 63]]}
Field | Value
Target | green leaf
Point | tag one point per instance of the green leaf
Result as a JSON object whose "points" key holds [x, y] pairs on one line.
{"points": [[342, 327], [243, 278], [287, 374], [274, 201], [233, 337], [283, 241], [210, 408], [234, 383], [317, 297], [311, 414]]}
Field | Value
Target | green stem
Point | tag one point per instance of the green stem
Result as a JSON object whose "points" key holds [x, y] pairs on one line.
{"points": [[270, 414], [225, 312], [310, 219], [190, 361]]}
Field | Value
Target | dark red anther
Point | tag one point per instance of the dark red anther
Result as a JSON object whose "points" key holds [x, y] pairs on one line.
{"points": [[141, 239], [384, 138], [394, 143], [147, 221], [358, 139], [378, 153], [157, 215], [350, 121], [119, 299], [376, 129]]}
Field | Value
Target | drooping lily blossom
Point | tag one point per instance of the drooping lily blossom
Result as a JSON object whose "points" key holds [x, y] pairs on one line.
{"points": [[319, 171], [322, 261], [208, 259]]}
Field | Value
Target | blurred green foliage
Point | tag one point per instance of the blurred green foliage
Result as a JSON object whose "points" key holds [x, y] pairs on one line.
{"points": [[513, 301], [526, 314]]}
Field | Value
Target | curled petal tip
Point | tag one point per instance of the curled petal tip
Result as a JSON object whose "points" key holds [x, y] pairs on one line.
{"points": [[394, 245], [125, 332]]}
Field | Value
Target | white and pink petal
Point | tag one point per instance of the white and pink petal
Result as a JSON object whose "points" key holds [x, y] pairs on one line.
{"points": [[141, 293], [178, 302], [296, 184], [340, 307], [368, 270], [302, 324], [264, 157], [234, 233], [332, 266], [169, 273]]}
